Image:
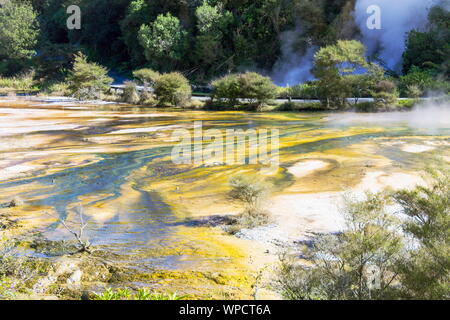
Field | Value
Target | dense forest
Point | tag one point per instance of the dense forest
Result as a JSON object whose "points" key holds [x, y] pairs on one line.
{"points": [[201, 38], [207, 39]]}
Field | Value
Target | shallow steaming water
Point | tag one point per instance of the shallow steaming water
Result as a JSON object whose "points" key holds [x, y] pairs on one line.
{"points": [[128, 185]]}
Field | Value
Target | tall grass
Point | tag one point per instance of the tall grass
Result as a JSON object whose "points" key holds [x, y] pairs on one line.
{"points": [[18, 83], [140, 294]]}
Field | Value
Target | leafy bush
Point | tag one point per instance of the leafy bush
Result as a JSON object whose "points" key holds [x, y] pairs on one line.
{"points": [[88, 80], [416, 80], [56, 89], [173, 88], [413, 91], [439, 86], [370, 106], [343, 263], [252, 86], [19, 83], [130, 93], [425, 274], [406, 104], [250, 191], [227, 88], [371, 258], [385, 95], [366, 106], [257, 88], [300, 91], [146, 77]]}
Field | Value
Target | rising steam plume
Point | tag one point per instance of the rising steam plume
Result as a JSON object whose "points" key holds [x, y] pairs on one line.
{"points": [[293, 67], [397, 18]]}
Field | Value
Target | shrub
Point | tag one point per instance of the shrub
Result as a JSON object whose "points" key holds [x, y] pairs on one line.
{"points": [[173, 88], [22, 82], [130, 93], [287, 106], [252, 86], [56, 89], [140, 294], [343, 264], [250, 191], [426, 272], [197, 104], [257, 88], [300, 91], [88, 80], [226, 88], [385, 95], [370, 259], [406, 104], [417, 79], [413, 91], [146, 77], [148, 100], [440, 86], [366, 106]]}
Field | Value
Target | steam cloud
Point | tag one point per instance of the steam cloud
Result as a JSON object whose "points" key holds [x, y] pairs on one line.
{"points": [[293, 67], [397, 18], [431, 116]]}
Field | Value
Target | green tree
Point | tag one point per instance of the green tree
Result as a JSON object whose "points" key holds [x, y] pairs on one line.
{"points": [[257, 89], [430, 49], [426, 272], [212, 19], [88, 80], [19, 31], [357, 264], [138, 13], [212, 22], [164, 40], [332, 64]]}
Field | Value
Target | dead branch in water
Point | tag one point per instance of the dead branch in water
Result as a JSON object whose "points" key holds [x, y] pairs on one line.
{"points": [[84, 245]]}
